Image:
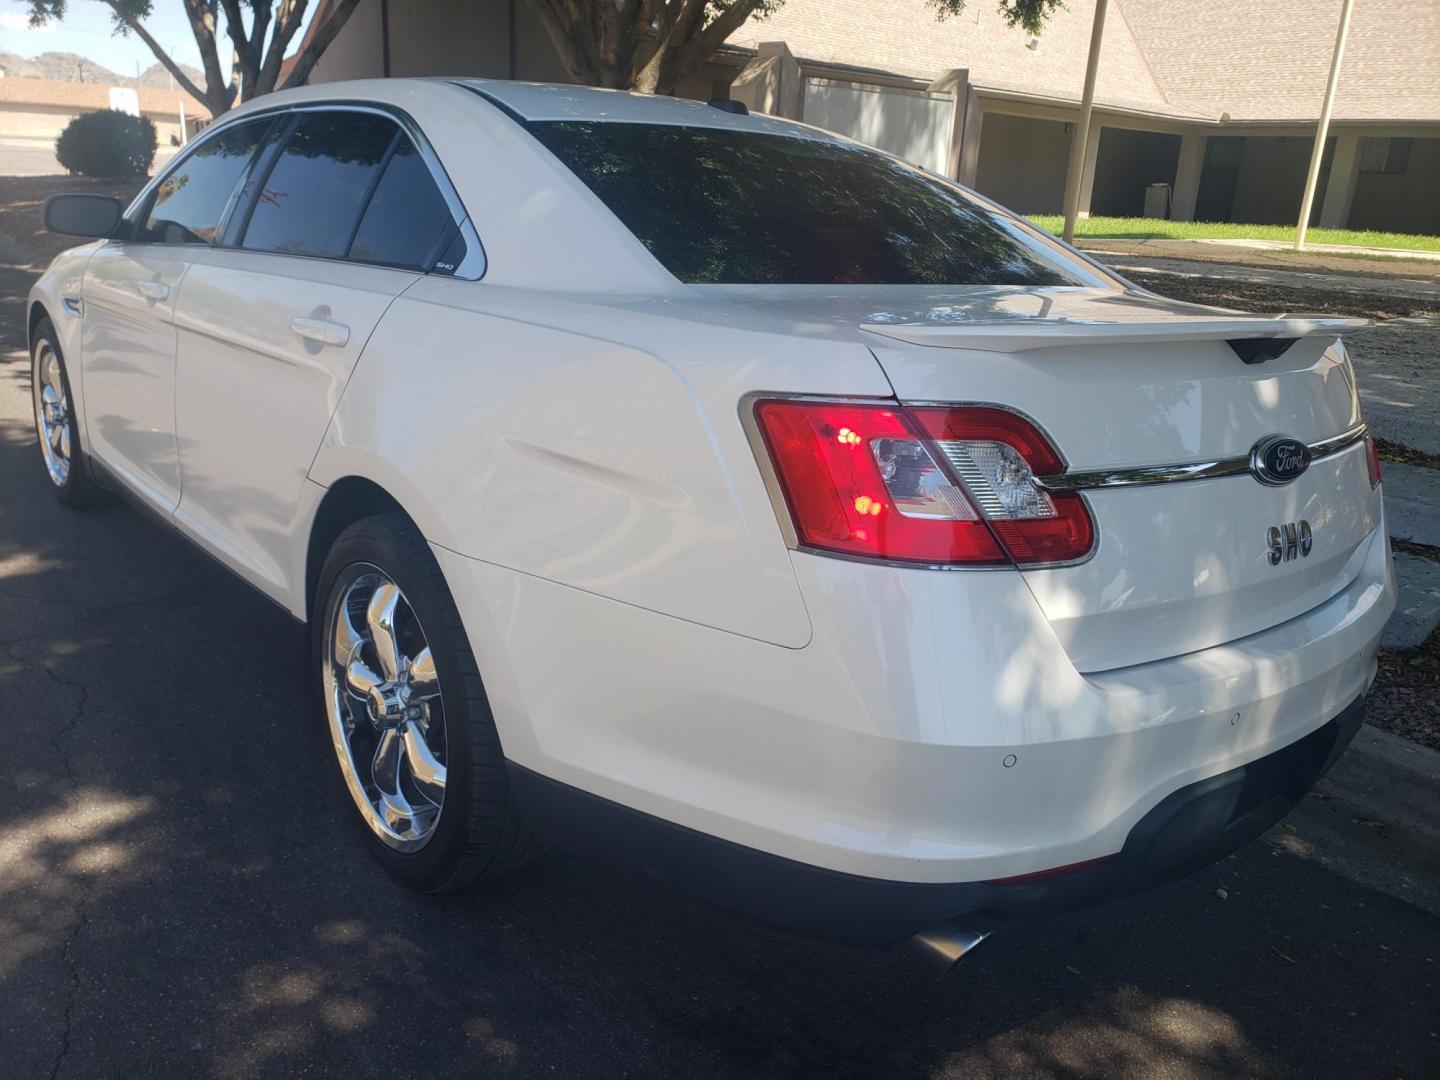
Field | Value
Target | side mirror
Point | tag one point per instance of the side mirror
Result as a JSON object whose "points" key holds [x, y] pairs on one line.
{"points": [[91, 216]]}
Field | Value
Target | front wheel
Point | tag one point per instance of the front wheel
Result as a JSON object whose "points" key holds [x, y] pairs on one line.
{"points": [[55, 427], [406, 713]]}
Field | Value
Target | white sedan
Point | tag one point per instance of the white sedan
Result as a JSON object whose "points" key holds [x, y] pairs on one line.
{"points": [[715, 493]]}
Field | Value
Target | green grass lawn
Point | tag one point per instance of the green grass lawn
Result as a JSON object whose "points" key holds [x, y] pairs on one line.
{"points": [[1157, 229]]}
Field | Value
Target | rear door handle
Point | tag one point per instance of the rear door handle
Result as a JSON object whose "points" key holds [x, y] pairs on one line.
{"points": [[153, 290], [321, 330]]}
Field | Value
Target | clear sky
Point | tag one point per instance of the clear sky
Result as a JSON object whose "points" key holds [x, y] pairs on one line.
{"points": [[89, 31]]}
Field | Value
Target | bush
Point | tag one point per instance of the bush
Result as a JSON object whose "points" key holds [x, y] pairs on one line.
{"points": [[107, 143]]}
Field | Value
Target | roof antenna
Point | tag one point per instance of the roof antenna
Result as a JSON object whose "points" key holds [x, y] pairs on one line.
{"points": [[726, 105]]}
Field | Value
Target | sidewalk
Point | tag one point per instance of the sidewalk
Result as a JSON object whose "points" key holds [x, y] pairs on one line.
{"points": [[1330, 249], [1321, 260], [1413, 287]]}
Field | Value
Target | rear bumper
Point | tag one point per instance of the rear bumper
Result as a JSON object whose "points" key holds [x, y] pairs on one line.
{"points": [[1190, 828], [932, 732]]}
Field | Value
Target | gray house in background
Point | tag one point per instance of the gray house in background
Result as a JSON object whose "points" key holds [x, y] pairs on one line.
{"points": [[1218, 101]]}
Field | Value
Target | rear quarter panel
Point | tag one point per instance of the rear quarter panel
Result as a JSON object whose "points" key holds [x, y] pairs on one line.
{"points": [[596, 443]]}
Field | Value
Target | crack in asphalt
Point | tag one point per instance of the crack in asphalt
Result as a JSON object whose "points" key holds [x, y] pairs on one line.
{"points": [[13, 595], [59, 740], [45, 600], [73, 968], [59, 734], [128, 606], [82, 916]]}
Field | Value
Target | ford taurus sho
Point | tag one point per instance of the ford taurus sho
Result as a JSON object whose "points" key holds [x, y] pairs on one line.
{"points": [[712, 493]]}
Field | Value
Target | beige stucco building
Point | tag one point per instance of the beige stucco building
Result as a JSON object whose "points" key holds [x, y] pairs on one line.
{"points": [[33, 113], [1219, 100]]}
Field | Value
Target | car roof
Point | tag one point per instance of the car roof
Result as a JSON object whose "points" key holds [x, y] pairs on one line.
{"points": [[560, 101], [533, 101]]}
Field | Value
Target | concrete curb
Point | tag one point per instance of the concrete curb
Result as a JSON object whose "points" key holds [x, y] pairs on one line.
{"points": [[1417, 611]]}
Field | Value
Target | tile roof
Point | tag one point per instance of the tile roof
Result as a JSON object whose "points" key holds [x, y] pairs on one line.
{"points": [[86, 96], [906, 37], [1254, 59], [1268, 60]]}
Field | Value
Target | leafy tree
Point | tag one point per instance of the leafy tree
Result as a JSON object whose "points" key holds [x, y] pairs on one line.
{"points": [[652, 45], [258, 49]]}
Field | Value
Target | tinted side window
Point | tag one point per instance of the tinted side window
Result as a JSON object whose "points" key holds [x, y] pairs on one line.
{"points": [[406, 216], [313, 196], [187, 205]]}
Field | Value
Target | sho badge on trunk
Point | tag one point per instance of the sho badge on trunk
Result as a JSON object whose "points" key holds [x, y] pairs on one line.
{"points": [[1293, 540], [1278, 459]]}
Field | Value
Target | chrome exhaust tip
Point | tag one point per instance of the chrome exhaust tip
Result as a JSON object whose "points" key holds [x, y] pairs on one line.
{"points": [[945, 944]]}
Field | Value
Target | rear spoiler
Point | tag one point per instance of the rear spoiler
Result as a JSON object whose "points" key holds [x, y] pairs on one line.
{"points": [[1255, 338]]}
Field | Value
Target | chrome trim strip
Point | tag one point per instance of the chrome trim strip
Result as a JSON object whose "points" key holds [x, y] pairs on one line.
{"points": [[1346, 439], [1197, 470]]}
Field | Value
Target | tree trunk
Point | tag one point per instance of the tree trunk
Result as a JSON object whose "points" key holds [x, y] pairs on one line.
{"points": [[335, 20], [253, 71], [599, 41]]}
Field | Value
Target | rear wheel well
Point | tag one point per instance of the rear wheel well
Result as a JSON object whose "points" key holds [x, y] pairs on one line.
{"points": [[347, 501]]}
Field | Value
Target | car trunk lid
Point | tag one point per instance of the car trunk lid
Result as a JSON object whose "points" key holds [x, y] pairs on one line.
{"points": [[1123, 381]]}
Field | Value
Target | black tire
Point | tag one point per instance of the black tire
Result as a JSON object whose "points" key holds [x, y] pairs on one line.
{"points": [[78, 489], [479, 834]]}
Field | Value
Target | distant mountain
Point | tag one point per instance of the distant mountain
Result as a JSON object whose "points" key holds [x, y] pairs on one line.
{"points": [[157, 77], [70, 67]]}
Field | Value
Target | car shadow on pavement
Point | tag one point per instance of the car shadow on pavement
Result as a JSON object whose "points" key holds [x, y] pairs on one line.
{"points": [[180, 895]]}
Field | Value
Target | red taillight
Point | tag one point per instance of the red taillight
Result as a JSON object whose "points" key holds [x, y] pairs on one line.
{"points": [[1372, 459], [831, 459], [927, 485], [996, 454]]}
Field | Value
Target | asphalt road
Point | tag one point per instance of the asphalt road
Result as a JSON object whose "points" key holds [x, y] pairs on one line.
{"points": [[179, 895]]}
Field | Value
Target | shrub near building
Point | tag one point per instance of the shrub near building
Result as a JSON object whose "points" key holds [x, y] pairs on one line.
{"points": [[107, 143]]}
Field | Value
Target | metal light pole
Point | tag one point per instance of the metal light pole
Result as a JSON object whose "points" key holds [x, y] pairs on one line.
{"points": [[1313, 177], [1076, 167]]}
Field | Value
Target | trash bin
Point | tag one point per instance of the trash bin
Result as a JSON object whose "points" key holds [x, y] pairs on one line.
{"points": [[1157, 200]]}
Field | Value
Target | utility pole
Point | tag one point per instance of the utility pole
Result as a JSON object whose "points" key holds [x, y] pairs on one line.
{"points": [[1076, 167], [1313, 177]]}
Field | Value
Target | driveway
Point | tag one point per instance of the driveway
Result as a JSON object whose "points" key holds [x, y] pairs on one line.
{"points": [[180, 896]]}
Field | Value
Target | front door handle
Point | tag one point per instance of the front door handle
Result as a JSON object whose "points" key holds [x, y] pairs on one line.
{"points": [[154, 290], [321, 330]]}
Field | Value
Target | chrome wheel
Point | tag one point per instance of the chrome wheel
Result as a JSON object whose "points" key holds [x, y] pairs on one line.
{"points": [[386, 713], [52, 413]]}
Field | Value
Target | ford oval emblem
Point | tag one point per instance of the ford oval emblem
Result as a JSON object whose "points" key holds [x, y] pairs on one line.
{"points": [[1279, 459]]}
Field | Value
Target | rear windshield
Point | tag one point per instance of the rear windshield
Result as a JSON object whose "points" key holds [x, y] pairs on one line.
{"points": [[742, 207]]}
